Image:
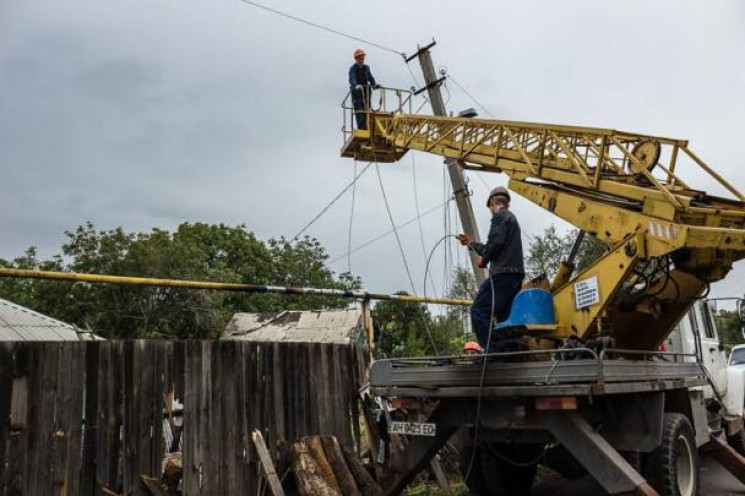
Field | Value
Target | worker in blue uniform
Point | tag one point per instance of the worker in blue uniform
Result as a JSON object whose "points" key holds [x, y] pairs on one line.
{"points": [[361, 83], [503, 253]]}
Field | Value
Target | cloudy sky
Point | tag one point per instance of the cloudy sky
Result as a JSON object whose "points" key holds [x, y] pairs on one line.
{"points": [[149, 113]]}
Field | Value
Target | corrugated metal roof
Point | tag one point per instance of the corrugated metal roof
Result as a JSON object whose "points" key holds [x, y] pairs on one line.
{"points": [[19, 323], [315, 326]]}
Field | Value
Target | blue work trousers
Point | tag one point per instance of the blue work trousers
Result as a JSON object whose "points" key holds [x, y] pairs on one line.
{"points": [[361, 102], [496, 294]]}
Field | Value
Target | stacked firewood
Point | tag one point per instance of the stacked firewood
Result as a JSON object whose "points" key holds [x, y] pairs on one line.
{"points": [[323, 468]]}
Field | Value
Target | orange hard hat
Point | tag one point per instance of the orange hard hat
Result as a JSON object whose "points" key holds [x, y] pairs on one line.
{"points": [[359, 53], [498, 191], [473, 346]]}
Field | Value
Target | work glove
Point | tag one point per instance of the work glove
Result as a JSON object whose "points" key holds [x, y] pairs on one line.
{"points": [[464, 239], [377, 86], [482, 263], [358, 87]]}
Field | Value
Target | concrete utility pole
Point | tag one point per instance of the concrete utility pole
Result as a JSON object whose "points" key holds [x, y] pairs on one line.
{"points": [[457, 179]]}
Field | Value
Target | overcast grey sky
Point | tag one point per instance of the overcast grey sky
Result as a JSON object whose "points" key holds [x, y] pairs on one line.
{"points": [[145, 113]]}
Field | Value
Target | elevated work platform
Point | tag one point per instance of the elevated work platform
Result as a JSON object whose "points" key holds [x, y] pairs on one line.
{"points": [[360, 146]]}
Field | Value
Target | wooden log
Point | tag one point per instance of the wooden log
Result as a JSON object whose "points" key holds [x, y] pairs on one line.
{"points": [[315, 447], [365, 482], [336, 459], [310, 482]]}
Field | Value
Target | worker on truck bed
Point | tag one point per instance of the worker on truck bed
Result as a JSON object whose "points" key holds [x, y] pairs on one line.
{"points": [[361, 82], [503, 252]]}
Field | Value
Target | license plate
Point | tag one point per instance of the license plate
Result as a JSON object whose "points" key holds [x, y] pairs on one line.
{"points": [[412, 429]]}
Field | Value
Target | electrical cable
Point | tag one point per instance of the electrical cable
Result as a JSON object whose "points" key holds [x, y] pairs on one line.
{"points": [[429, 258], [419, 219], [336, 198], [481, 382], [455, 81], [325, 28], [395, 231], [351, 220], [390, 231]]}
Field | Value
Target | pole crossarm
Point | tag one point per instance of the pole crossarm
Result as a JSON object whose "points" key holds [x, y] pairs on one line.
{"points": [[223, 286]]}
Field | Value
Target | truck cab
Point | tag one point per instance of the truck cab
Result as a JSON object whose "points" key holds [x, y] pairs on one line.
{"points": [[700, 321]]}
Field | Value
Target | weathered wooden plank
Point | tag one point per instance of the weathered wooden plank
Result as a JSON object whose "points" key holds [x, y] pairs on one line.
{"points": [[19, 418], [322, 389], [161, 356], [63, 399], [88, 469], [303, 391], [242, 437], [6, 390], [108, 433], [132, 427], [290, 387], [267, 464], [342, 372], [74, 419], [192, 416], [270, 423], [352, 393], [253, 379], [278, 383], [224, 431], [40, 474], [144, 363], [207, 426], [336, 394]]}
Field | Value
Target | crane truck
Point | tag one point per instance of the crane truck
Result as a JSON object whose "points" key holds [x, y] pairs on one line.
{"points": [[592, 393]]}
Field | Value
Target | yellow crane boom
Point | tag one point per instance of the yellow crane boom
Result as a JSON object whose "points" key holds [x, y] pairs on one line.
{"points": [[667, 240]]}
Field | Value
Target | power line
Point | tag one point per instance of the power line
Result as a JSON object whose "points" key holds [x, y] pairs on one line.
{"points": [[390, 231], [473, 99], [351, 219], [419, 219], [395, 231], [325, 28], [323, 211]]}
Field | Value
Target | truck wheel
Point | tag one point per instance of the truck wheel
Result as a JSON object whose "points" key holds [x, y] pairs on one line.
{"points": [[510, 469], [673, 467]]}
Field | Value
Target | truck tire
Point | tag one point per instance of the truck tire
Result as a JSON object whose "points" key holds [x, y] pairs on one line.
{"points": [[673, 466]]}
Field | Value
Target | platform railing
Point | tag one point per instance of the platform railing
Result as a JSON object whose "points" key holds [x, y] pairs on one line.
{"points": [[388, 100]]}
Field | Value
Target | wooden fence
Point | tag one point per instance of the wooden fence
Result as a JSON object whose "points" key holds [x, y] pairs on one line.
{"points": [[87, 418]]}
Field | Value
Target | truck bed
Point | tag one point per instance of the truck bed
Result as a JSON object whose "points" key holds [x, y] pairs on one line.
{"points": [[540, 373]]}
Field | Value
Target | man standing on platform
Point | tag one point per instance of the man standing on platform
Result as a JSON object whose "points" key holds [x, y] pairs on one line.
{"points": [[361, 83]]}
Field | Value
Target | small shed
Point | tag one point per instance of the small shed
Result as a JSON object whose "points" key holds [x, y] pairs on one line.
{"points": [[18, 323], [310, 326]]}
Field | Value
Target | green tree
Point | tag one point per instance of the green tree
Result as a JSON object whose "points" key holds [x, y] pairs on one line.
{"points": [[193, 251], [407, 330], [545, 251], [728, 324]]}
